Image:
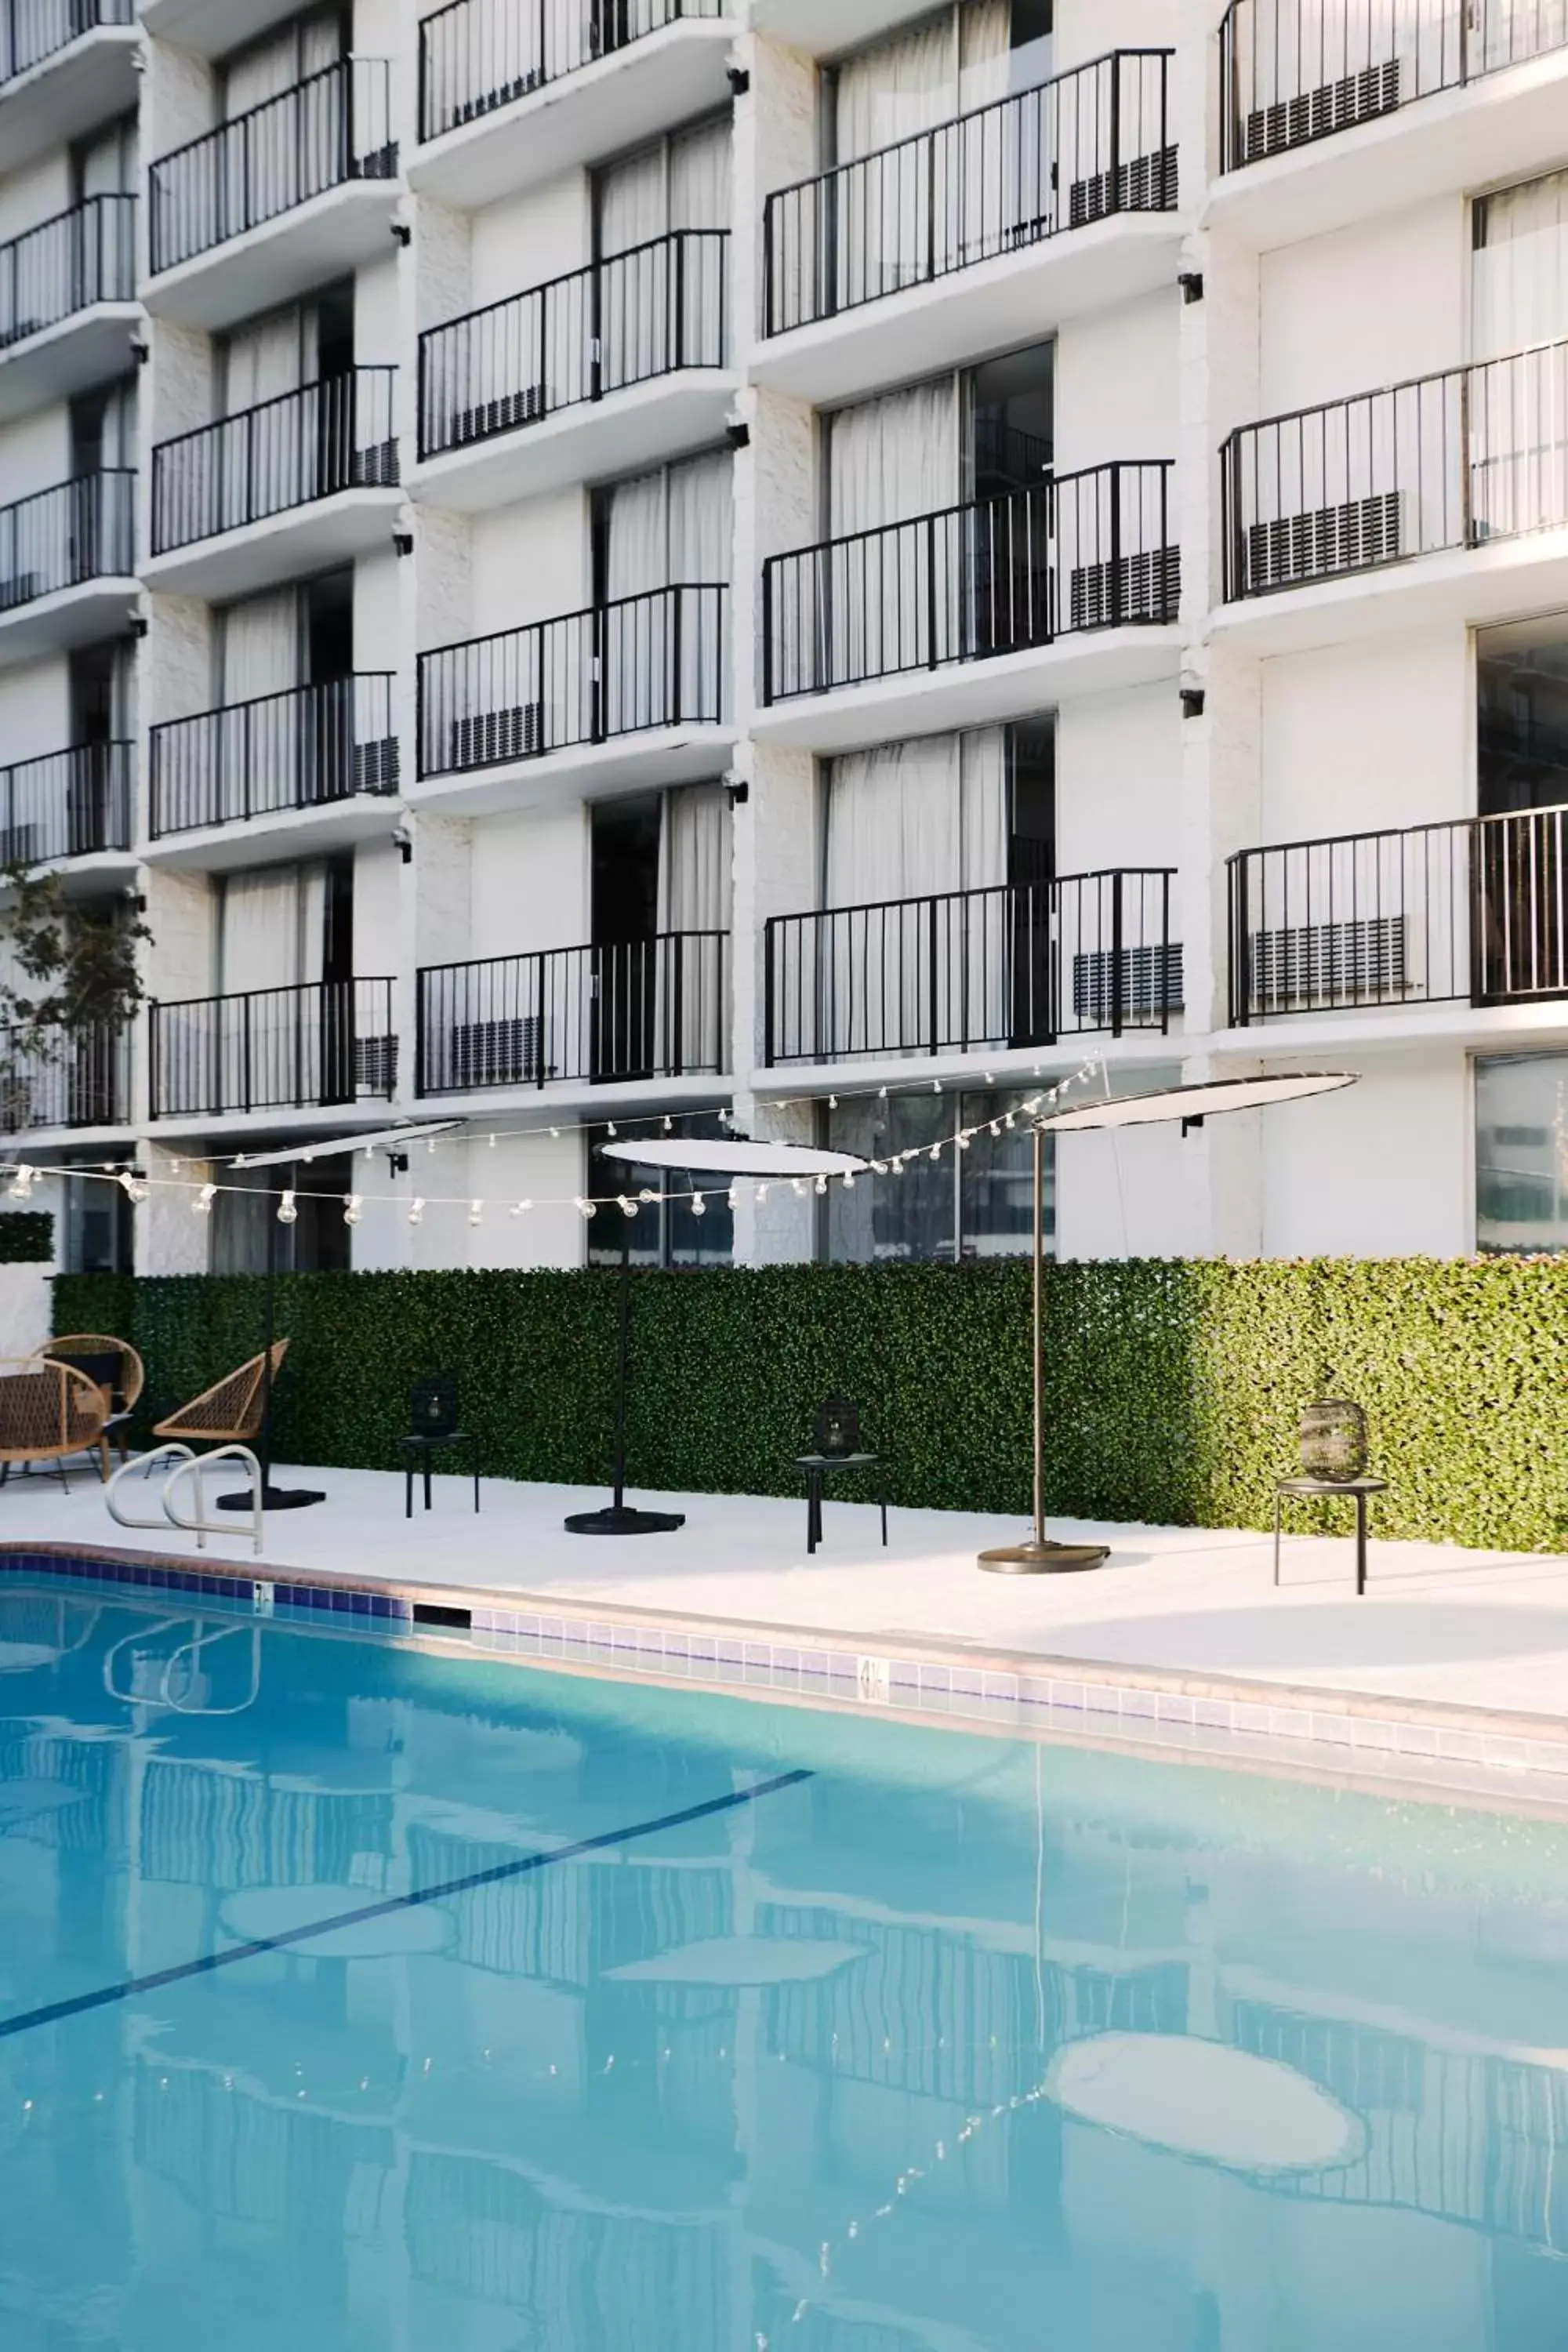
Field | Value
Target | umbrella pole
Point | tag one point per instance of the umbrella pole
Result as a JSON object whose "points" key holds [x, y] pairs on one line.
{"points": [[1041, 1556], [615, 1518]]}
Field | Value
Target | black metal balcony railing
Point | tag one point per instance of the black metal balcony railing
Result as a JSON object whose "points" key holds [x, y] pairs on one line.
{"points": [[643, 314], [1292, 72], [1018, 965], [334, 435], [65, 265], [333, 127], [633, 1009], [478, 54], [1475, 908], [297, 749], [1089, 550], [62, 538], [325, 1042], [66, 805], [654, 660], [1093, 141], [1445, 461], [32, 30], [74, 1078]]}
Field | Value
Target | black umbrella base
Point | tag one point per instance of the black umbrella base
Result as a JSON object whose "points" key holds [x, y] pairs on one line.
{"points": [[1044, 1558], [622, 1521], [273, 1498]]}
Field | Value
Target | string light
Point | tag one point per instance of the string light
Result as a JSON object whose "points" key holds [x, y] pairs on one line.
{"points": [[288, 1214], [585, 1209], [699, 1206], [416, 1214], [629, 1206], [521, 1208], [203, 1203], [21, 1185], [351, 1206], [476, 1212]]}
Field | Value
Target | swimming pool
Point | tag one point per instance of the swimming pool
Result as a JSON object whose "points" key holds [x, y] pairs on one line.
{"points": [[355, 1998]]}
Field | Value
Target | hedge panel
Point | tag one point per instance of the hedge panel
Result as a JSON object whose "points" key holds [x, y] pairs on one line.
{"points": [[1172, 1390], [27, 1237]]}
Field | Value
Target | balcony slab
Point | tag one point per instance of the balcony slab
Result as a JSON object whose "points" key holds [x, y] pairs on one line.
{"points": [[667, 417], [210, 29], [71, 616], [92, 346], [1502, 126], [1318, 1040], [826, 28], [252, 840], [1508, 579], [631, 763], [992, 306], [616, 102], [73, 89], [570, 1100], [283, 547], [972, 694], [980, 1068], [330, 237], [315, 1125]]}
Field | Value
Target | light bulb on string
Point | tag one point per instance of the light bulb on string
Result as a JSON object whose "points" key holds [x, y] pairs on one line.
{"points": [[475, 1212], [430, 1147], [849, 1179], [821, 1186], [201, 1206], [936, 1085], [762, 1194], [833, 1102], [935, 1152], [288, 1214], [21, 1185], [352, 1204], [668, 1124], [492, 1143], [734, 1198], [416, 1214], [629, 1206], [585, 1209], [521, 1208], [699, 1206], [555, 1135], [647, 1193], [611, 1128]]}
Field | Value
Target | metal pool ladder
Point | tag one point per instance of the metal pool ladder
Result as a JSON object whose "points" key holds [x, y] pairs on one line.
{"points": [[188, 1465]]}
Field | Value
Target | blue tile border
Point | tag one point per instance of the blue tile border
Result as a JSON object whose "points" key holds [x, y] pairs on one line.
{"points": [[1249, 1721]]}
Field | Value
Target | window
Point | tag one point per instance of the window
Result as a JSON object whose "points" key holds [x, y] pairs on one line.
{"points": [[1521, 690], [99, 1227], [960, 1206], [666, 1232], [318, 1241], [1522, 1152]]}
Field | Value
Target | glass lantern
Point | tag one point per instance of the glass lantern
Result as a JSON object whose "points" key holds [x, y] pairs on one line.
{"points": [[1334, 1440]]}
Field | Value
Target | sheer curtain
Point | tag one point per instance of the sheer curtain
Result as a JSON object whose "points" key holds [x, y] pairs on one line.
{"points": [[699, 199], [259, 749], [988, 170], [291, 147], [663, 654], [891, 460], [266, 458], [633, 207], [913, 822], [883, 220], [1519, 404], [694, 895], [701, 531], [272, 937]]}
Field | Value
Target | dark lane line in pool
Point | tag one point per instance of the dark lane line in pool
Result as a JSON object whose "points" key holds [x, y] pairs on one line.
{"points": [[127, 1991]]}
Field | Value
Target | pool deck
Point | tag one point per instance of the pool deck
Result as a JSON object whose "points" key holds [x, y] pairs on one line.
{"points": [[1439, 1631]]}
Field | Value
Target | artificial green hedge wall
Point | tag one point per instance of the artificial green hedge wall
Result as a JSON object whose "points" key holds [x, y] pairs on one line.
{"points": [[27, 1237], [1172, 1390]]}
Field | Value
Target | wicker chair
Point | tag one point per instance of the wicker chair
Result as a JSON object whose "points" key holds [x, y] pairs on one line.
{"points": [[229, 1413], [78, 1348], [48, 1410]]}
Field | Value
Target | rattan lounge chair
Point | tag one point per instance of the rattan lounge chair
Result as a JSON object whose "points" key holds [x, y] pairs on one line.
{"points": [[48, 1410], [229, 1413], [80, 1348]]}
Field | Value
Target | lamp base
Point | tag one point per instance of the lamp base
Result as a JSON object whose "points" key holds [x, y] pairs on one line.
{"points": [[1046, 1558], [620, 1519], [273, 1498]]}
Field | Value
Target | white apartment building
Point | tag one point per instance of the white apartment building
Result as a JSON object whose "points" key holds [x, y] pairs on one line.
{"points": [[591, 561]]}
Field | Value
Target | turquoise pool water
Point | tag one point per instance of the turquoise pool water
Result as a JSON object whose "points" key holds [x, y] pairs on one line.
{"points": [[355, 1999]]}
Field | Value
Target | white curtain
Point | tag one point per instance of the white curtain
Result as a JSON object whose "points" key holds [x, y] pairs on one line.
{"points": [[291, 149], [258, 748], [258, 646], [663, 656], [264, 458], [885, 216], [700, 176], [892, 461], [633, 208], [272, 937], [694, 887], [699, 199], [1519, 403], [895, 88], [261, 936], [914, 821]]}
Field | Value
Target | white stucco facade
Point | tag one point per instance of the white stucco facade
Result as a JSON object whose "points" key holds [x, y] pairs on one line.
{"points": [[544, 769]]}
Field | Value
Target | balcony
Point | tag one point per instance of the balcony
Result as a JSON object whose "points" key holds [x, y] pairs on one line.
{"points": [[322, 1043], [66, 65], [640, 1009], [297, 190], [211, 28], [984, 595], [68, 557], [325, 754], [68, 805], [1473, 911], [308, 479], [512, 92], [1018, 965], [80, 1078], [620, 361], [1459, 479], [631, 692], [986, 230], [1438, 97], [68, 304]]}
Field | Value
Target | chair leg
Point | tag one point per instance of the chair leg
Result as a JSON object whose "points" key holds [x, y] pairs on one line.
{"points": [[103, 1469], [408, 1490], [884, 1510], [426, 1482], [1276, 1510], [474, 1456]]}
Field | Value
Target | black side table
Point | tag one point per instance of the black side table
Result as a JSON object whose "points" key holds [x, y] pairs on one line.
{"points": [[1359, 1489], [820, 1467], [416, 1453]]}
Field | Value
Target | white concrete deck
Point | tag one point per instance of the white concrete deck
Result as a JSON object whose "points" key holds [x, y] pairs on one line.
{"points": [[1487, 1630]]}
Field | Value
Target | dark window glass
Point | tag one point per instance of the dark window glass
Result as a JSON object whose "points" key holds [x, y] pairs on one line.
{"points": [[1522, 733], [318, 1241], [964, 1205], [1522, 1152], [663, 1233]]}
